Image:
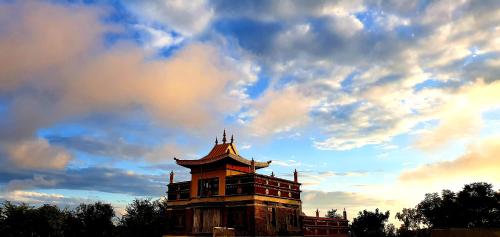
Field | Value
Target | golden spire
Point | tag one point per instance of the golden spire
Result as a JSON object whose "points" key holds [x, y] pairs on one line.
{"points": [[224, 137], [232, 139], [216, 142]]}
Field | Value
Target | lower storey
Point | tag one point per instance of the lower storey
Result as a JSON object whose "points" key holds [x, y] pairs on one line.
{"points": [[248, 218]]}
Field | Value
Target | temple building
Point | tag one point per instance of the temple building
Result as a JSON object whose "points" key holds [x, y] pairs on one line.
{"points": [[226, 191]]}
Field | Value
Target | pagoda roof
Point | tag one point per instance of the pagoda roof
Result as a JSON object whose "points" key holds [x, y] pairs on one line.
{"points": [[221, 152]]}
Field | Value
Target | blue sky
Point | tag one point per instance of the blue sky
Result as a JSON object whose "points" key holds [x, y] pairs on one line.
{"points": [[375, 103]]}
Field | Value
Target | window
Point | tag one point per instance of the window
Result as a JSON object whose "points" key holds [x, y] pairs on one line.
{"points": [[178, 220], [294, 219], [208, 187], [273, 217], [236, 217]]}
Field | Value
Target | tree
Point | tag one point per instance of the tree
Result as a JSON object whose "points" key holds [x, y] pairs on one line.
{"points": [[476, 205], [95, 219], [429, 208], [369, 224], [332, 214], [144, 218], [410, 217], [48, 221], [480, 205], [390, 230], [18, 220]]}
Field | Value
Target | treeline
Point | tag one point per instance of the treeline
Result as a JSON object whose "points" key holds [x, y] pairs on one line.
{"points": [[477, 205], [143, 218]]}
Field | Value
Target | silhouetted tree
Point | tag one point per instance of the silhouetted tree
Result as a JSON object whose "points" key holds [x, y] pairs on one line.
{"points": [[332, 214], [95, 219], [480, 205], [17, 220], [369, 224], [72, 226], [410, 217], [477, 205], [48, 221], [390, 230], [144, 218], [412, 223]]}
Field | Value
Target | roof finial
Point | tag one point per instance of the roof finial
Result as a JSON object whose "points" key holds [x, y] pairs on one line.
{"points": [[252, 166], [216, 142], [224, 137], [232, 139], [172, 177]]}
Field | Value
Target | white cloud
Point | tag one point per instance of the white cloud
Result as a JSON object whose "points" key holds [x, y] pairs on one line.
{"points": [[157, 39], [186, 17]]}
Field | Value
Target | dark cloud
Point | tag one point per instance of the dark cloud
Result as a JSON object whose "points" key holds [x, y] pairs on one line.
{"points": [[112, 147], [112, 180]]}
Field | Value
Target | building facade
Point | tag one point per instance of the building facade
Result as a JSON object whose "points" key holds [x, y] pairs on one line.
{"points": [[226, 191]]}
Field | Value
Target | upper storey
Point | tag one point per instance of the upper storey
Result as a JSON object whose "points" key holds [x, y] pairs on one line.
{"points": [[223, 172], [223, 156]]}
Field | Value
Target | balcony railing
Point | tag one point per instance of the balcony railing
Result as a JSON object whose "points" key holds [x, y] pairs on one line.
{"points": [[179, 191], [251, 184], [245, 184]]}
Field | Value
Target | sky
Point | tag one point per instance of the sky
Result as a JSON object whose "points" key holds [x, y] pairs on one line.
{"points": [[374, 102]]}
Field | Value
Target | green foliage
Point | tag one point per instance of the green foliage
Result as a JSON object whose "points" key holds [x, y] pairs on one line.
{"points": [[370, 224]]}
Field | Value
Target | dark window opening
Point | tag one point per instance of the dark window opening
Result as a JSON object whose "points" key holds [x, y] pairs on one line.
{"points": [[273, 217], [236, 217], [208, 187], [179, 221], [294, 219]]}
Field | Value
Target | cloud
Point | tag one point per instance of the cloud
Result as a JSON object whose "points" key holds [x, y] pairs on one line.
{"points": [[157, 38], [386, 55], [37, 154], [310, 178], [479, 163], [57, 68], [351, 201], [38, 39], [38, 181], [110, 180], [461, 117], [42, 198], [280, 111], [188, 18], [270, 11], [118, 148]]}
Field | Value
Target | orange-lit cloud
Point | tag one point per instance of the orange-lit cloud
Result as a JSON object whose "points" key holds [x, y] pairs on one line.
{"points": [[57, 54], [37, 154], [461, 117], [480, 163], [280, 111]]}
